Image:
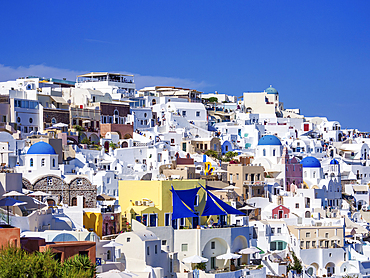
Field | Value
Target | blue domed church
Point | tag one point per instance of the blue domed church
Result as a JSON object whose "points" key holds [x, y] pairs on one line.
{"points": [[40, 159]]}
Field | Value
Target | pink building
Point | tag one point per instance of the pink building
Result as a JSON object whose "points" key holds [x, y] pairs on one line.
{"points": [[293, 171]]}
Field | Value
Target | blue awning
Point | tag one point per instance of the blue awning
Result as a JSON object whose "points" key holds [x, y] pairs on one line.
{"points": [[188, 196], [179, 209], [229, 209], [211, 208], [213, 188]]}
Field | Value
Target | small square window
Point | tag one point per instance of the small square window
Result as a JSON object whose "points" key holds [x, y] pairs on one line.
{"points": [[184, 247], [198, 113], [164, 242], [128, 239]]}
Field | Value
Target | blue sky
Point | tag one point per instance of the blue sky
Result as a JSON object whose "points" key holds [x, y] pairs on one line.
{"points": [[315, 53]]}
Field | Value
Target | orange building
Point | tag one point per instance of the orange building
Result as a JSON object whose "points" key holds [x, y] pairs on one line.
{"points": [[9, 236]]}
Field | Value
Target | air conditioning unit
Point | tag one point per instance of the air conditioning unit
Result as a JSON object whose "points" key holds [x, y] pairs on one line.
{"points": [[137, 203]]}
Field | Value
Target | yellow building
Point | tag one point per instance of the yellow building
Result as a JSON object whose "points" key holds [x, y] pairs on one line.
{"points": [[150, 202], [94, 221]]}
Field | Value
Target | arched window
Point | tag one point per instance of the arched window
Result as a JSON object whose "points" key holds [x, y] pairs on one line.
{"points": [[74, 201], [273, 152], [314, 174], [43, 162], [307, 214], [31, 162], [116, 112], [53, 162], [264, 152]]}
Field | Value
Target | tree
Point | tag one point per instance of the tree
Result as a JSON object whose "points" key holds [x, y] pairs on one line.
{"points": [[297, 266], [231, 154], [112, 145], [213, 99], [16, 262], [79, 129], [86, 141], [211, 153]]}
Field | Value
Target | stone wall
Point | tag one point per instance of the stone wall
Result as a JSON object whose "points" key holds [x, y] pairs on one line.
{"points": [[122, 130], [54, 185], [61, 116], [107, 109]]}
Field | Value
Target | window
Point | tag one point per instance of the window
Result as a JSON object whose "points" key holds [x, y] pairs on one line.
{"points": [[198, 114], [273, 152], [53, 162], [153, 220], [273, 246], [31, 162], [246, 177], [264, 152], [237, 176], [307, 245], [30, 120], [213, 244], [184, 247], [147, 251], [326, 235], [302, 244], [79, 182], [182, 222], [297, 205], [50, 181], [308, 234], [172, 141], [128, 239], [313, 244], [167, 219], [108, 255], [272, 230], [155, 249], [164, 242], [196, 201], [279, 230], [43, 162], [145, 219], [184, 113], [18, 119]]}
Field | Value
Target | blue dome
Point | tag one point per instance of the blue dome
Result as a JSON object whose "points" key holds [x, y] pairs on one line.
{"points": [[41, 148], [334, 161], [271, 90], [269, 140], [310, 162]]}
